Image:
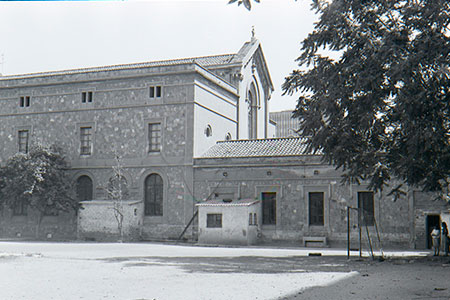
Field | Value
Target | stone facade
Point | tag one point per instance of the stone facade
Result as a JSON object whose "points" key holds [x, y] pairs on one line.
{"points": [[293, 180], [96, 114]]}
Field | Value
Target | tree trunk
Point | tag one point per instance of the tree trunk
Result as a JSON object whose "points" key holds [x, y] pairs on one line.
{"points": [[38, 225]]}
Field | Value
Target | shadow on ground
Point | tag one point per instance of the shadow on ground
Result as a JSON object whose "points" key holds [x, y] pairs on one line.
{"points": [[241, 264], [395, 278]]}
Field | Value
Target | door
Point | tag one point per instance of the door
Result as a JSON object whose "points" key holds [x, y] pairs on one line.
{"points": [[269, 208], [431, 222]]}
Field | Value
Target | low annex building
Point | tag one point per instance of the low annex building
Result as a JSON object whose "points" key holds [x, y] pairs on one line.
{"points": [[302, 200], [228, 221]]}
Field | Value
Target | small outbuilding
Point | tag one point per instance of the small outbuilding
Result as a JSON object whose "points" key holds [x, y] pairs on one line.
{"points": [[228, 221]]}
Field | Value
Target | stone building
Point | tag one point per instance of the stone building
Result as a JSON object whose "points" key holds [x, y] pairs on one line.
{"points": [[186, 131], [303, 201], [286, 126], [156, 116]]}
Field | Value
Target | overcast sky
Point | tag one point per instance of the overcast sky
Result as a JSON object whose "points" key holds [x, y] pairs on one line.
{"points": [[45, 36]]}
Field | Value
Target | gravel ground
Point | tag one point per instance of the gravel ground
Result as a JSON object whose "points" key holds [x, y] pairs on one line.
{"points": [[395, 278], [145, 271]]}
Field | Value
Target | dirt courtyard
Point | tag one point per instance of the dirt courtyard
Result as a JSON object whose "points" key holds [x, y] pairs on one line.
{"points": [[160, 271]]}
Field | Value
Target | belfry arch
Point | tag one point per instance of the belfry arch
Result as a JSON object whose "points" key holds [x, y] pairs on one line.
{"points": [[252, 100]]}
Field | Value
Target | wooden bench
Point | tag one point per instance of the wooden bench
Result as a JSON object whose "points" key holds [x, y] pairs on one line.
{"points": [[317, 241]]}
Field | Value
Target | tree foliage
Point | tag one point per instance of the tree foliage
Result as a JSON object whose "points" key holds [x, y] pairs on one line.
{"points": [[381, 108], [247, 3], [39, 178]]}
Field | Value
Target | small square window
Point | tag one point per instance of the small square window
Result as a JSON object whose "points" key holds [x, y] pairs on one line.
{"points": [[158, 91], [155, 91], [24, 101], [214, 220], [86, 97]]}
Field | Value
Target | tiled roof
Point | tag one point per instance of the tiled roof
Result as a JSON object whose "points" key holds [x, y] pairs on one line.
{"points": [[220, 202], [205, 61], [258, 148]]}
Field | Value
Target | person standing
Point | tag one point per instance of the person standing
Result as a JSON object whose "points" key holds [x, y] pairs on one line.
{"points": [[445, 238], [436, 237]]}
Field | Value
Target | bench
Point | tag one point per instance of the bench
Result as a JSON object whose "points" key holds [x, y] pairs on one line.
{"points": [[316, 241]]}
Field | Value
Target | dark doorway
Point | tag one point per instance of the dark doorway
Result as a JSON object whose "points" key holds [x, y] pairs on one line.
{"points": [[431, 222], [269, 208]]}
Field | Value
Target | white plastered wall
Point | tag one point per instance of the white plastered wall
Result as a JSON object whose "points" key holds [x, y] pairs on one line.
{"points": [[215, 110]]}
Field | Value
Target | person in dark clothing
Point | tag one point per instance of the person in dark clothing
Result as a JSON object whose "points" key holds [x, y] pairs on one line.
{"points": [[445, 238]]}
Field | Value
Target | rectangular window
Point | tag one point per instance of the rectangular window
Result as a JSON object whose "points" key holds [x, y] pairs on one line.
{"points": [[214, 220], [269, 208], [86, 97], [23, 141], [155, 91], [20, 208], [154, 137], [316, 208], [24, 101], [366, 206], [85, 140]]}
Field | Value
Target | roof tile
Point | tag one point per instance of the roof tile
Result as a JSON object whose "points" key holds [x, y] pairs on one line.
{"points": [[258, 148], [205, 61]]}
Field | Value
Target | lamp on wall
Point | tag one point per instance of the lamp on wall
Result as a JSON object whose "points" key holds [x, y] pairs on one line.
{"points": [[225, 174], [269, 173]]}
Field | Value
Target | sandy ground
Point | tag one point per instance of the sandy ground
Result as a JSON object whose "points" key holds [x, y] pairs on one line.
{"points": [[158, 271]]}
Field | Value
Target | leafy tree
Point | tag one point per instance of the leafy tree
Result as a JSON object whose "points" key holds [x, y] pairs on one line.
{"points": [[38, 178], [374, 81], [247, 3]]}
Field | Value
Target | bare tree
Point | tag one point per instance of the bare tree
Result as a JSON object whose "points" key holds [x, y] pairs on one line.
{"points": [[117, 190]]}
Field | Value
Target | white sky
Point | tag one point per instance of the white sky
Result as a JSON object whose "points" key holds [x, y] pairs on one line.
{"points": [[44, 36]]}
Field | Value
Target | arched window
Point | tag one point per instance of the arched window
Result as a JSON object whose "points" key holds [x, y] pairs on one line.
{"points": [[228, 137], [252, 98], [84, 188], [153, 194], [208, 131]]}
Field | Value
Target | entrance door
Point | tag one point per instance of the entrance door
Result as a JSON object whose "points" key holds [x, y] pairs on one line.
{"points": [[431, 222], [269, 208]]}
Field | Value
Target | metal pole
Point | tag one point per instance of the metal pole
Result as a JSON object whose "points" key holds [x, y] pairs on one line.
{"points": [[359, 228], [348, 232]]}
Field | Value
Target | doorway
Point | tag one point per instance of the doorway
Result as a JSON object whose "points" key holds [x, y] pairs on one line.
{"points": [[269, 208], [431, 222]]}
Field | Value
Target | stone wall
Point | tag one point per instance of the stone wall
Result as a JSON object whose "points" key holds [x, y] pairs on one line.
{"points": [[97, 220], [119, 114], [292, 179], [60, 227]]}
